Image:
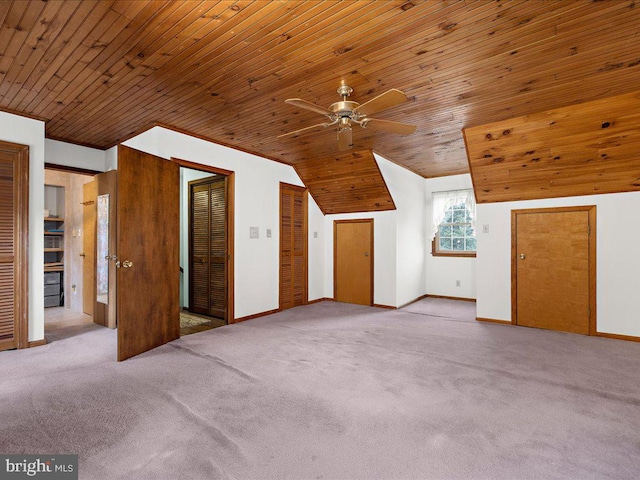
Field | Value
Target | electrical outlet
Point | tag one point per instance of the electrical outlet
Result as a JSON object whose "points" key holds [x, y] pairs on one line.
{"points": [[254, 232]]}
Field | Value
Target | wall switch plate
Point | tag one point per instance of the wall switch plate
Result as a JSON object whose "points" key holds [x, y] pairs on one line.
{"points": [[315, 234], [254, 232], [457, 283], [485, 228], [268, 233]]}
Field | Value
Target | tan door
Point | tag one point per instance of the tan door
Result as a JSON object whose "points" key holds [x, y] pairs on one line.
{"points": [[148, 279], [208, 246], [554, 262], [293, 246], [14, 216], [88, 247], [353, 261]]}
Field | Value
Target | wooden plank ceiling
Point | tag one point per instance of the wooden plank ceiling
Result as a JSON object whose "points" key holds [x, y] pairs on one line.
{"points": [[584, 149], [99, 71], [346, 183]]}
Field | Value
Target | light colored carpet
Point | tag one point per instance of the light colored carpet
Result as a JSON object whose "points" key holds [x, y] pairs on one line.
{"points": [[445, 308], [332, 391]]}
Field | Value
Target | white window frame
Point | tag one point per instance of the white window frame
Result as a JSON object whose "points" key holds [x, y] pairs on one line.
{"points": [[442, 203]]}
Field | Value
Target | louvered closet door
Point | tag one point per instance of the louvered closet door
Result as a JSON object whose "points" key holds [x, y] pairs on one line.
{"points": [[208, 278], [293, 246], [7, 254], [14, 217]]}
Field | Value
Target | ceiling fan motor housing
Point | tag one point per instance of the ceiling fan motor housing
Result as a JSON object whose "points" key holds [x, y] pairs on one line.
{"points": [[344, 109]]}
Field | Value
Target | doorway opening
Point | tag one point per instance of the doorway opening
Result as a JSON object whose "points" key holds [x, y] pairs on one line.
{"points": [[64, 252], [206, 247]]}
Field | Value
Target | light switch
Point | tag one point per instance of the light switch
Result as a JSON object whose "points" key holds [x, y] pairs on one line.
{"points": [[485, 228], [315, 234], [268, 233]]}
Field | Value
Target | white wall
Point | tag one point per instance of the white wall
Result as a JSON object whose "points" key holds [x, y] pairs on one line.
{"points": [[316, 252], [70, 155], [618, 266], [407, 190], [26, 131], [111, 159], [257, 204], [443, 272]]}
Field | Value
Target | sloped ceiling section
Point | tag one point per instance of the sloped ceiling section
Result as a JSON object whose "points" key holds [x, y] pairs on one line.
{"points": [[346, 183], [583, 149]]}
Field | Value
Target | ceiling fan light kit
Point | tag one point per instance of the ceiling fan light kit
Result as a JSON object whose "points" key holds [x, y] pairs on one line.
{"points": [[345, 113]]}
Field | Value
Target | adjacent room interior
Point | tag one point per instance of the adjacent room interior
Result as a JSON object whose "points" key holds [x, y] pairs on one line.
{"points": [[332, 239]]}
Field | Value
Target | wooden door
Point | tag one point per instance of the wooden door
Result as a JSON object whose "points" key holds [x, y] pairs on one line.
{"points": [[88, 247], [106, 289], [554, 269], [208, 246], [353, 261], [148, 242], [293, 246], [14, 218]]}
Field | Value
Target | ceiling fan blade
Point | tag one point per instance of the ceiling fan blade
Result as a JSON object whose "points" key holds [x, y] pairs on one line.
{"points": [[345, 138], [298, 102], [383, 101], [306, 129], [389, 126]]}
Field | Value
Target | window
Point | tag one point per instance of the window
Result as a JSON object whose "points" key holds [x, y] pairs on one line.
{"points": [[453, 223]]}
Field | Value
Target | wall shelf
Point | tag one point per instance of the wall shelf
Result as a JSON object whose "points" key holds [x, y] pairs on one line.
{"points": [[54, 247]]}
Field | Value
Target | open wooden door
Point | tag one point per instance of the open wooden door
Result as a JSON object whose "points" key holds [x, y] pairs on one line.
{"points": [[105, 298], [148, 276], [88, 247]]}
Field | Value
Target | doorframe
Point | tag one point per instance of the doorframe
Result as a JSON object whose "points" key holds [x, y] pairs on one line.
{"points": [[335, 253], [20, 155], [305, 234], [231, 178], [591, 211]]}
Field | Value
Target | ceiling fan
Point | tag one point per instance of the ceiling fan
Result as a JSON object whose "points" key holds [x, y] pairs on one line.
{"points": [[345, 113]]}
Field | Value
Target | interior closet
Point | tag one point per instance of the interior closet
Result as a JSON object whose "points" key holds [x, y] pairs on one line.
{"points": [[208, 246]]}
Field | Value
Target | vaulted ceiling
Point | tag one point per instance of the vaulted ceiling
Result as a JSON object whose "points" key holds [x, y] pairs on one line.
{"points": [[99, 71]]}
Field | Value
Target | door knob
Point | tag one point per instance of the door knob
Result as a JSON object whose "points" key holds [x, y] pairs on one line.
{"points": [[366, 254], [82, 255], [522, 256], [127, 264]]}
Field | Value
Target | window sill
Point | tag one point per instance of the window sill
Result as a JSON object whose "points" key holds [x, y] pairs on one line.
{"points": [[437, 253], [456, 254]]}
